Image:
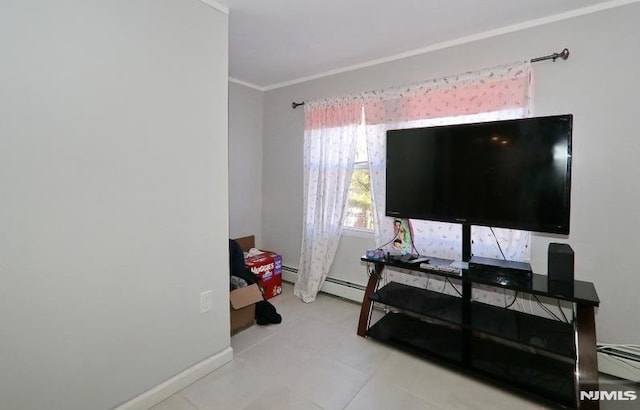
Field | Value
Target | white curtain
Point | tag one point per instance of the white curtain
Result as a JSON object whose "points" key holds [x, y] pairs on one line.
{"points": [[501, 92], [329, 151]]}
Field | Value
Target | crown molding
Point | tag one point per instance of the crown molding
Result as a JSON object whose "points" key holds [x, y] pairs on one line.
{"points": [[216, 6], [246, 84], [462, 40]]}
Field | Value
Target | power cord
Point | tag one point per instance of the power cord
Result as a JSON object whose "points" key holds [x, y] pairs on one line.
{"points": [[562, 311], [515, 297], [546, 309], [495, 237], [454, 288]]}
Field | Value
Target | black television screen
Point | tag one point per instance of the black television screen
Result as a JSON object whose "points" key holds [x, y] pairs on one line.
{"points": [[510, 174]]}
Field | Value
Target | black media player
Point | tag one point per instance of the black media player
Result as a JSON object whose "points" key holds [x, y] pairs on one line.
{"points": [[500, 267]]}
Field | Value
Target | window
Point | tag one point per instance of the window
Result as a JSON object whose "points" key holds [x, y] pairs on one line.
{"points": [[359, 210]]}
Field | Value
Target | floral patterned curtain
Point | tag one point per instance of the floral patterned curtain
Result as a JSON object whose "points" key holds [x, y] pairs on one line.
{"points": [[501, 92], [494, 89], [329, 152]]}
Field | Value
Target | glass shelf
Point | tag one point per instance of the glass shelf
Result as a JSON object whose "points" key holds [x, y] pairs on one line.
{"points": [[527, 372], [581, 292], [533, 331]]}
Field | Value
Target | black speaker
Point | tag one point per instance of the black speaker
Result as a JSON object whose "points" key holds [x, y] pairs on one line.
{"points": [[560, 263]]}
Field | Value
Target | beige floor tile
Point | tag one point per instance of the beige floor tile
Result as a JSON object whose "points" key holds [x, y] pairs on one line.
{"points": [[376, 395], [312, 333], [280, 397], [476, 395], [357, 352], [251, 336], [328, 383], [175, 402], [278, 358], [314, 360], [234, 386], [419, 377]]}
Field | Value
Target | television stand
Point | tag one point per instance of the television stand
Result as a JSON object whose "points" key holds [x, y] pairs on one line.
{"points": [[547, 360]]}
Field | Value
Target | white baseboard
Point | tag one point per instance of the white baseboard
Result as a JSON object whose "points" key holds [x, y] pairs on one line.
{"points": [[342, 291], [170, 387], [289, 276], [332, 288], [619, 367]]}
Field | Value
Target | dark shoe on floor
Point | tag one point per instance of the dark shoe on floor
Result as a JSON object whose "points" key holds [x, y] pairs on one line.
{"points": [[266, 313]]}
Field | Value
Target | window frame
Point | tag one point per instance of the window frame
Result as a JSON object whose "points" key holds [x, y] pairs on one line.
{"points": [[364, 164], [354, 231]]}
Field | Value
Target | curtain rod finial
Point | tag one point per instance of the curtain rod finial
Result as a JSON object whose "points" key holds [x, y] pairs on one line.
{"points": [[295, 105], [564, 54]]}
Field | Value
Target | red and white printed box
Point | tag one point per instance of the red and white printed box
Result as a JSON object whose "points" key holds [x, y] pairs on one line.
{"points": [[268, 268]]}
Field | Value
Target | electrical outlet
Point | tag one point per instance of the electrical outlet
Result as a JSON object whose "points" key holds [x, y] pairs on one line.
{"points": [[206, 301]]}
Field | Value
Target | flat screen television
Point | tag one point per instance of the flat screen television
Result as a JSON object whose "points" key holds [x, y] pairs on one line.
{"points": [[510, 174]]}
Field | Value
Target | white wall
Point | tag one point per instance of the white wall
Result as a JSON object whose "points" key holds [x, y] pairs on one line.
{"points": [[113, 209], [245, 161], [598, 84]]}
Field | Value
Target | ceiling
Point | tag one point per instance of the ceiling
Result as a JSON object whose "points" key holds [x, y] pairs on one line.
{"points": [[278, 42]]}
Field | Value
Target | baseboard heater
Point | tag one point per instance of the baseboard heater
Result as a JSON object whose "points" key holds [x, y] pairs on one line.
{"points": [[336, 287], [620, 361]]}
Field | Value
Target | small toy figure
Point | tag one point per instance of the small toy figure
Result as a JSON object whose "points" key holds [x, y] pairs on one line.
{"points": [[402, 236]]}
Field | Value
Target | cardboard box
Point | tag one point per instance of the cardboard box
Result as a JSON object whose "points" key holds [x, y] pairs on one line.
{"points": [[268, 268], [243, 307]]}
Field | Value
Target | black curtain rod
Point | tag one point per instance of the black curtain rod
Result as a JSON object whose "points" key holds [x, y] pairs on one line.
{"points": [[564, 54]]}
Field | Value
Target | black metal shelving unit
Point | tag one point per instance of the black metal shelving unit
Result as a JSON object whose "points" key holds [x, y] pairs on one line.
{"points": [[531, 355]]}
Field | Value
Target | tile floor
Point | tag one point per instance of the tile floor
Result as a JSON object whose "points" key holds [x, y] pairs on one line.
{"points": [[315, 360]]}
